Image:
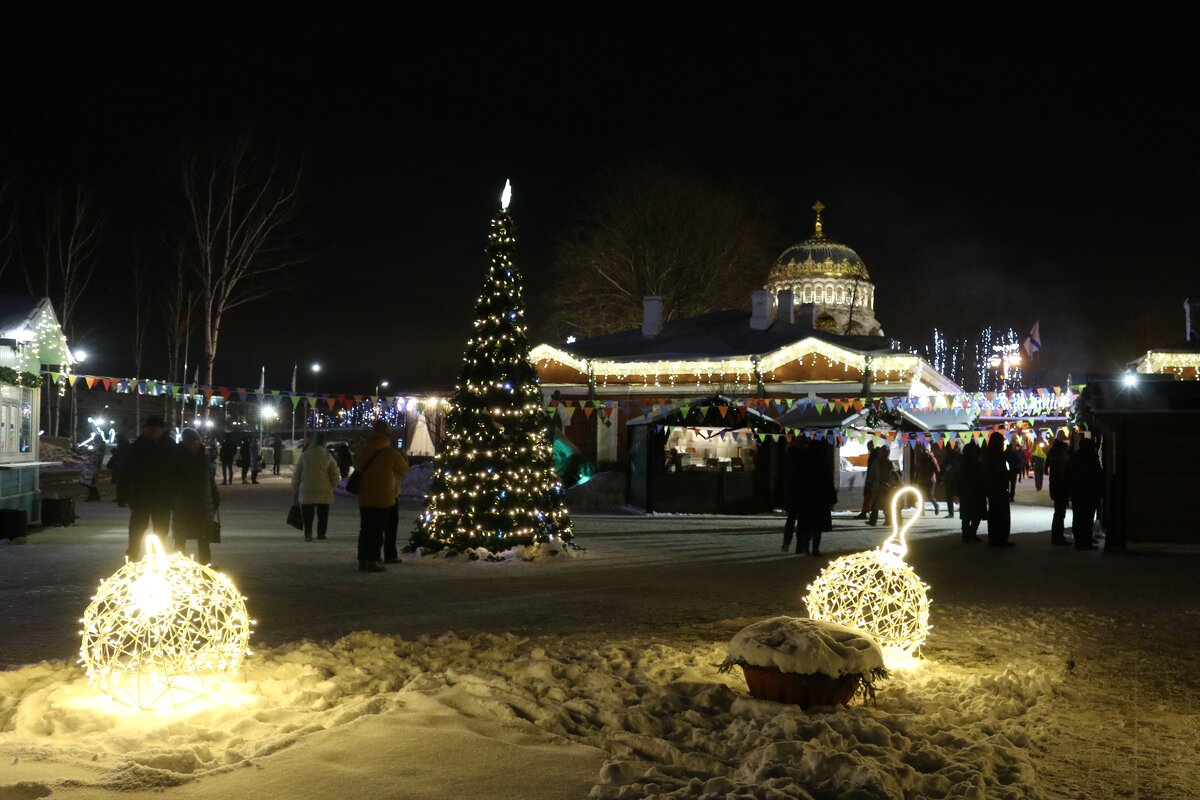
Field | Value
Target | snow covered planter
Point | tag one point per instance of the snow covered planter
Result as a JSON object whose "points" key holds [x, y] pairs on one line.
{"points": [[806, 662]]}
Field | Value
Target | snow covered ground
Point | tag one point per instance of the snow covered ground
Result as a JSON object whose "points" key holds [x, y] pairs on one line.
{"points": [[1049, 673]]}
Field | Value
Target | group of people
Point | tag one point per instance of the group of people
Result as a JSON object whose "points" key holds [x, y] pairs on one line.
{"points": [[381, 469], [983, 481], [246, 454], [169, 487]]}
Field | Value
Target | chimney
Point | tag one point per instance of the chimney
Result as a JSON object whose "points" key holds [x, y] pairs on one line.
{"points": [[762, 309], [651, 316], [787, 306], [1191, 318], [805, 316]]}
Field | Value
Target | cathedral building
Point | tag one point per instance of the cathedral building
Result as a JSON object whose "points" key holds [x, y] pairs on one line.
{"points": [[829, 281]]}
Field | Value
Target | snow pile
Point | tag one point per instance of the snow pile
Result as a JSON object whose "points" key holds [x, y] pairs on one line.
{"points": [[669, 724], [538, 551], [806, 647], [416, 483]]}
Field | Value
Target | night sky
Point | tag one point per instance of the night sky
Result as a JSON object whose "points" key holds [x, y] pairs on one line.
{"points": [[989, 169]]}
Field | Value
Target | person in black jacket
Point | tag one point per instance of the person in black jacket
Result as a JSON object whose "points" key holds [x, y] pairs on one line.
{"points": [[145, 484], [809, 495], [1085, 477], [195, 498], [995, 482], [972, 492], [1057, 462], [229, 450]]}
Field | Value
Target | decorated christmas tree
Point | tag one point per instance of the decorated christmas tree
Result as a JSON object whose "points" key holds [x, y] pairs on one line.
{"points": [[494, 484]]}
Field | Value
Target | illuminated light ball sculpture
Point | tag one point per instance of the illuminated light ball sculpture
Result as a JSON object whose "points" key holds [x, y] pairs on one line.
{"points": [[876, 592], [163, 631]]}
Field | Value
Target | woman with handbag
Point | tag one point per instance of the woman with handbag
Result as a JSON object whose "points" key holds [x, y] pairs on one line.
{"points": [[313, 479], [196, 498]]}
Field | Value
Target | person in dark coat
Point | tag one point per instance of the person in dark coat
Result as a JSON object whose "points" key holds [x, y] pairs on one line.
{"points": [[277, 455], [866, 504], [996, 484], [809, 494], [1085, 477], [244, 457], [89, 475], [972, 492], [948, 476], [120, 448], [1057, 462], [882, 482], [1012, 457], [229, 450], [927, 475], [195, 499], [145, 484]]}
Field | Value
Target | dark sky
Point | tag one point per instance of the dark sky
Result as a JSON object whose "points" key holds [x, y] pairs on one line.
{"points": [[988, 168]]}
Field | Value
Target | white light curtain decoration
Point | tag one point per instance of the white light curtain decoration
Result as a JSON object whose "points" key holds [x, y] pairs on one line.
{"points": [[163, 631], [876, 592]]}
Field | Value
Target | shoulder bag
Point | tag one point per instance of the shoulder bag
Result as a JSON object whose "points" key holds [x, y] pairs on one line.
{"points": [[354, 482]]}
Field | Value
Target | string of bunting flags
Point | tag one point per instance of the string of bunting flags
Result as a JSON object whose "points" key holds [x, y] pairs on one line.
{"points": [[197, 392], [1042, 402]]}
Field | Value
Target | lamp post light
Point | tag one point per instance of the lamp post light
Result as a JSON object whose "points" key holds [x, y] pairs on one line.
{"points": [[1005, 360]]}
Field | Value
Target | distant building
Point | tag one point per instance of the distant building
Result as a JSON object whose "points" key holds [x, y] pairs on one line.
{"points": [[784, 349], [1181, 360], [829, 283], [30, 340]]}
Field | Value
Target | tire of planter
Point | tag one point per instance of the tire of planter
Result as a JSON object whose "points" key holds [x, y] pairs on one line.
{"points": [[806, 691]]}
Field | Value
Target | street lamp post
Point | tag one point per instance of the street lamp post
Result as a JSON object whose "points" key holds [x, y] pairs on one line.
{"points": [[379, 400], [316, 372]]}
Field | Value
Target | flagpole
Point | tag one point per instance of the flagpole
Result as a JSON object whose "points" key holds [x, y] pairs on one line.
{"points": [[187, 339], [292, 400]]}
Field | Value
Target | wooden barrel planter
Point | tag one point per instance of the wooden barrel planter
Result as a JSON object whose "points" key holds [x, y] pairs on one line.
{"points": [[806, 691]]}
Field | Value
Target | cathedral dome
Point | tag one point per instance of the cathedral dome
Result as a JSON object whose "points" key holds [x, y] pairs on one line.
{"points": [[818, 256]]}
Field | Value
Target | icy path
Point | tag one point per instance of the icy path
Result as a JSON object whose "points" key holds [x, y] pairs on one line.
{"points": [[1051, 673]]}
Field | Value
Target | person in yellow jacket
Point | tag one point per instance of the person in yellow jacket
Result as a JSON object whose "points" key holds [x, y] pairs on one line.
{"points": [[1039, 464], [382, 467]]}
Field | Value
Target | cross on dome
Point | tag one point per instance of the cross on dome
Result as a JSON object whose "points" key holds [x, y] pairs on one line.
{"points": [[819, 207]]}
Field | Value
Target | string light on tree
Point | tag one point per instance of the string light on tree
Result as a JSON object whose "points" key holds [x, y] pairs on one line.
{"points": [[493, 483], [163, 631], [876, 592]]}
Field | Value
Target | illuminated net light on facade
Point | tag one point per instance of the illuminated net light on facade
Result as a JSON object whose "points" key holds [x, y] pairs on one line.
{"points": [[876, 592], [163, 631]]}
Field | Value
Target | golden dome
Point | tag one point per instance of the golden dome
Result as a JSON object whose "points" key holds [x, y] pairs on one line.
{"points": [[817, 256]]}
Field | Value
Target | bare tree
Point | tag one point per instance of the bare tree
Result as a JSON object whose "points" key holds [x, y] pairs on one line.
{"points": [[9, 247], [177, 311], [655, 229], [68, 240], [139, 284], [239, 207]]}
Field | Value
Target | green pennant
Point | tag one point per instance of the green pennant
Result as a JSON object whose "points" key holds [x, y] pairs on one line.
{"points": [[295, 398]]}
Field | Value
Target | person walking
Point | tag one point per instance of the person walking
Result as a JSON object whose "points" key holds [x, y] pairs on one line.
{"points": [[243, 457], [882, 483], [229, 451], [866, 503], [382, 467], [948, 476], [120, 448], [277, 454], [1057, 462], [994, 462], [313, 479], [89, 475], [145, 484], [1038, 458], [810, 494], [972, 492], [927, 475], [1012, 458], [1085, 477], [195, 499], [255, 459]]}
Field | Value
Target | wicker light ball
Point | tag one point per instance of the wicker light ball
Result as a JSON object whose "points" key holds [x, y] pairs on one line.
{"points": [[163, 631], [876, 592]]}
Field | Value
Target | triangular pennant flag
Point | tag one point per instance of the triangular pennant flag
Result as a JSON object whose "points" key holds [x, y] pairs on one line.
{"points": [[224, 392], [89, 380], [295, 398]]}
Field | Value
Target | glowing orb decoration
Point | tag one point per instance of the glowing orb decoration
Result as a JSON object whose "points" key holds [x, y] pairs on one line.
{"points": [[163, 631], [876, 592]]}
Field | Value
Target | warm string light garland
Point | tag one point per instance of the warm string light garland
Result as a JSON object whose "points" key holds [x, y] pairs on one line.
{"points": [[163, 631], [876, 592]]}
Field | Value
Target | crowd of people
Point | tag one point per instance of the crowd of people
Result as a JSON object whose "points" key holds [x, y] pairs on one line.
{"points": [[172, 488], [982, 480]]}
